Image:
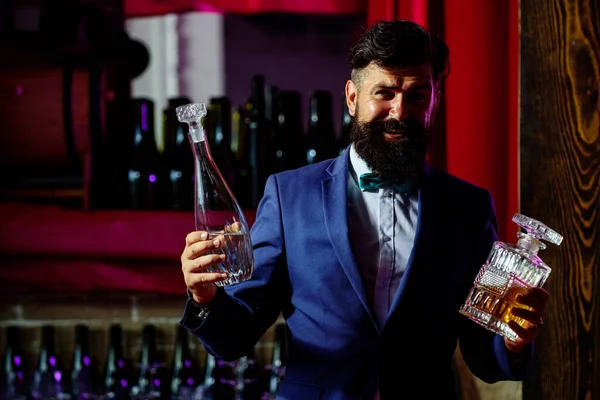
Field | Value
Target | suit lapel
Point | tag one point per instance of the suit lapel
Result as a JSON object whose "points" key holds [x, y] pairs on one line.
{"points": [[335, 200], [421, 251]]}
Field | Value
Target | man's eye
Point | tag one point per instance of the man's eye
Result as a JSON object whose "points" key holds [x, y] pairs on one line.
{"points": [[384, 93], [417, 96]]}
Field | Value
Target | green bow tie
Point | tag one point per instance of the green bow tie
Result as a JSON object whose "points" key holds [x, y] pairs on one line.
{"points": [[370, 182]]}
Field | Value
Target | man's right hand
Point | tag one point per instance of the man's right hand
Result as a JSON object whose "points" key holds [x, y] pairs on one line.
{"points": [[195, 259]]}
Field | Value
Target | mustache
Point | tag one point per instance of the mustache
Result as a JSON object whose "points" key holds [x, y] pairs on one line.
{"points": [[405, 127]]}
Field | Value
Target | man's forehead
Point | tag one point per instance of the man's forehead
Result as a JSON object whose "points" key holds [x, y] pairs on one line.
{"points": [[417, 73]]}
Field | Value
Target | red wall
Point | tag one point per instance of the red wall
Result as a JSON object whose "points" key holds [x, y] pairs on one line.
{"points": [[482, 100]]}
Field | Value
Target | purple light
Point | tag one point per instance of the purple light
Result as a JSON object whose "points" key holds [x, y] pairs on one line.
{"points": [[57, 376], [17, 360], [190, 381], [86, 361], [152, 178], [187, 363], [120, 364], [157, 382], [20, 375], [144, 117], [52, 361], [123, 383]]}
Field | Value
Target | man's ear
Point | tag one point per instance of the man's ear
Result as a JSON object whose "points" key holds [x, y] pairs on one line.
{"points": [[351, 97]]}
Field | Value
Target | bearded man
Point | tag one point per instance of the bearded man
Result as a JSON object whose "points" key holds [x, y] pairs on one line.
{"points": [[367, 256]]}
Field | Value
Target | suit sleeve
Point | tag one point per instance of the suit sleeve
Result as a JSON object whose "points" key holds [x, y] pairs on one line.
{"points": [[483, 351], [241, 313]]}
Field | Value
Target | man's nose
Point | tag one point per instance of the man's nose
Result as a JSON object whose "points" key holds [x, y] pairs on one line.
{"points": [[398, 109]]}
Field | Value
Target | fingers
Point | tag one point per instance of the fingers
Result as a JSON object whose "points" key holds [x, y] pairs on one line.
{"points": [[536, 298], [235, 227], [201, 263], [532, 317], [195, 281], [533, 310], [194, 271], [195, 236], [196, 249], [527, 335]]}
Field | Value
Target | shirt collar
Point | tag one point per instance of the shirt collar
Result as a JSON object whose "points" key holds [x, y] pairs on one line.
{"points": [[358, 166]]}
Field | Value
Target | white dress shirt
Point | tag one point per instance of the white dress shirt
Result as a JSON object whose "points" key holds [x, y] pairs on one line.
{"points": [[381, 227]]}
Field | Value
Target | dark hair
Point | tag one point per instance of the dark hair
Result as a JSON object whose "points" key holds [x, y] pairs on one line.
{"points": [[401, 43]]}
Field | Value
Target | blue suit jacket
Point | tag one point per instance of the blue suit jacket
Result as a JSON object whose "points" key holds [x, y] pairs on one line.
{"points": [[305, 269]]}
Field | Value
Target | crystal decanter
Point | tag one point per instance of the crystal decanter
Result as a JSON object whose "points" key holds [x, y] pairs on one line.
{"points": [[509, 270], [216, 210]]}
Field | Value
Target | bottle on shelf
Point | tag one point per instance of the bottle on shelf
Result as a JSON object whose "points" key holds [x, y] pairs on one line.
{"points": [[237, 379], [320, 140], [278, 363], [258, 133], [240, 147], [150, 381], [288, 140], [185, 374], [117, 381], [271, 95], [82, 385], [48, 378], [218, 130], [14, 382], [178, 156], [345, 127], [144, 167]]}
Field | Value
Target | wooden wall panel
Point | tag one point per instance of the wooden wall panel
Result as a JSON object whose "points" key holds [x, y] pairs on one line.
{"points": [[560, 185]]}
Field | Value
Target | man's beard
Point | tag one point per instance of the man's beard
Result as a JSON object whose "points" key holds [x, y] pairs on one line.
{"points": [[398, 160]]}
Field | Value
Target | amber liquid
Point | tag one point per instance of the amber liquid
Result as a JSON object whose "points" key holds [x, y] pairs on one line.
{"points": [[500, 307]]}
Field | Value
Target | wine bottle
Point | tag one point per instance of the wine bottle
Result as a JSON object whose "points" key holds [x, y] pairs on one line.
{"points": [[278, 362], [229, 379], [271, 106], [346, 126], [242, 173], [178, 155], [150, 382], [288, 135], [81, 375], [48, 380], [208, 388], [117, 382], [258, 132], [249, 378], [218, 130], [185, 376], [216, 209], [321, 135], [143, 169], [14, 384]]}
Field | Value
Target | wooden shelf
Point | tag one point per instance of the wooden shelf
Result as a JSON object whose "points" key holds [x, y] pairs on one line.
{"points": [[50, 248]]}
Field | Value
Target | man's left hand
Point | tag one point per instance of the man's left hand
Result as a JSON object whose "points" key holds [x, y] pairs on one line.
{"points": [[534, 302]]}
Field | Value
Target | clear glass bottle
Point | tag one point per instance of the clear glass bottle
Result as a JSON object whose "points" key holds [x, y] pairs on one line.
{"points": [[509, 271], [216, 209]]}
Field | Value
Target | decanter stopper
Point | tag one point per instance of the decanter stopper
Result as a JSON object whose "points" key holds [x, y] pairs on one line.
{"points": [[537, 230], [192, 115]]}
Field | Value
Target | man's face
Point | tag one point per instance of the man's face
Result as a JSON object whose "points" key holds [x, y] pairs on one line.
{"points": [[393, 111]]}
